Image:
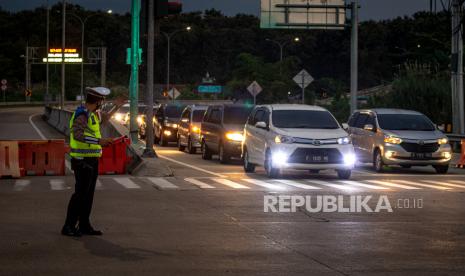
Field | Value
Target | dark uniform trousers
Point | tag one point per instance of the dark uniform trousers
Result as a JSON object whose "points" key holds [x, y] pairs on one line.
{"points": [[80, 204]]}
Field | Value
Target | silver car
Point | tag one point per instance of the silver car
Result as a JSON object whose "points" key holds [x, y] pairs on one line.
{"points": [[398, 137], [189, 128]]}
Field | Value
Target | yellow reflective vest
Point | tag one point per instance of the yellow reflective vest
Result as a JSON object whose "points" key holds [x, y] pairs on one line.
{"points": [[80, 149]]}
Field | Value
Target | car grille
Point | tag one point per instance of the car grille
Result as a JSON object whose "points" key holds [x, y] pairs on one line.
{"points": [[415, 147], [305, 156]]}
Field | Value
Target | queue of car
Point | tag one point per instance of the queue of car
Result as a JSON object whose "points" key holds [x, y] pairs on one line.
{"points": [[284, 137]]}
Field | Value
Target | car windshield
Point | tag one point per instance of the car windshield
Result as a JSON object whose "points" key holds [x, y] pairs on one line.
{"points": [[405, 122], [309, 119], [198, 115], [174, 111], [236, 115]]}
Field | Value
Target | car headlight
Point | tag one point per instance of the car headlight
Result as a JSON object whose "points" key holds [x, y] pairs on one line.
{"points": [[171, 125], [344, 141], [392, 140], [139, 120], [443, 141], [279, 159], [235, 136], [349, 159], [283, 139], [118, 116], [195, 129], [167, 132]]}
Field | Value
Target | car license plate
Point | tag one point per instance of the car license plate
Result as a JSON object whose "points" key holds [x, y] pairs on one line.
{"points": [[421, 156], [317, 158]]}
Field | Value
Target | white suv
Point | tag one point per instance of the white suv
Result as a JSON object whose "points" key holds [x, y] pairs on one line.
{"points": [[298, 137]]}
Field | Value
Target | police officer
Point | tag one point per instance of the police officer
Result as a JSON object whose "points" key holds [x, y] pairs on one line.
{"points": [[86, 144]]}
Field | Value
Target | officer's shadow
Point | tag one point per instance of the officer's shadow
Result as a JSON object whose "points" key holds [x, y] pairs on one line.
{"points": [[103, 248]]}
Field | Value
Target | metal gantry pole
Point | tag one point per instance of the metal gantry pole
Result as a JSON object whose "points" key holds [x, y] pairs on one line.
{"points": [[354, 58], [83, 26], [47, 92], [168, 65], [134, 83], [63, 45], [458, 116], [149, 152]]}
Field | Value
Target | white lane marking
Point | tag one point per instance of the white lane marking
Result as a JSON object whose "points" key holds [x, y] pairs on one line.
{"points": [[422, 185], [98, 185], [199, 183], [263, 184], [21, 184], [457, 182], [126, 183], [296, 184], [444, 184], [35, 127], [162, 183], [58, 184], [336, 186], [230, 183], [390, 184], [353, 183], [191, 166]]}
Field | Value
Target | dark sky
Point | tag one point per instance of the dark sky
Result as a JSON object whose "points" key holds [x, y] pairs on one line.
{"points": [[371, 9]]}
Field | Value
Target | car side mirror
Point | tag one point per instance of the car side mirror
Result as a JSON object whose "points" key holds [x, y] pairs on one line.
{"points": [[345, 126], [261, 125], [369, 127]]}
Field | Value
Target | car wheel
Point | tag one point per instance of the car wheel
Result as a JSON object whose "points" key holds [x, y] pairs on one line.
{"points": [[180, 146], [270, 171], [441, 169], [206, 153], [223, 155], [248, 167], [163, 141], [344, 174], [190, 148], [378, 163]]}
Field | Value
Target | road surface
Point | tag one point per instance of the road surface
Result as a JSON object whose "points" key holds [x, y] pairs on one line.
{"points": [[209, 219]]}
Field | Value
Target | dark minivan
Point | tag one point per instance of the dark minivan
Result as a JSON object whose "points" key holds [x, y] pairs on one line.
{"points": [[165, 125], [222, 129]]}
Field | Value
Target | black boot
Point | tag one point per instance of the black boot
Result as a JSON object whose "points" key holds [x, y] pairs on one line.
{"points": [[70, 231], [88, 230]]}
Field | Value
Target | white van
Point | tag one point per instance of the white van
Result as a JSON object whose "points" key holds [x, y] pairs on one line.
{"points": [[298, 137]]}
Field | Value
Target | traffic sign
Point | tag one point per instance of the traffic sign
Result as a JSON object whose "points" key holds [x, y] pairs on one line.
{"points": [[303, 79], [4, 81], [210, 89], [174, 92], [4, 87], [28, 92], [254, 89]]}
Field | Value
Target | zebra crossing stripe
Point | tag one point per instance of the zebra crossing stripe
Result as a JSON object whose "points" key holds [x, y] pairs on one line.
{"points": [[444, 184], [199, 183], [263, 184], [58, 184], [126, 183], [230, 183], [353, 183], [390, 184], [162, 183], [336, 186], [297, 184], [98, 185], [21, 184], [422, 185]]}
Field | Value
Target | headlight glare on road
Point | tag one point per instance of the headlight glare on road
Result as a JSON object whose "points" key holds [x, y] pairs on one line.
{"points": [[349, 159], [344, 141], [235, 136], [392, 140], [443, 141], [279, 159], [283, 139]]}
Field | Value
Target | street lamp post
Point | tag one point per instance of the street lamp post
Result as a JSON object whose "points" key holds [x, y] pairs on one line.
{"points": [[168, 38], [281, 46], [83, 28]]}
